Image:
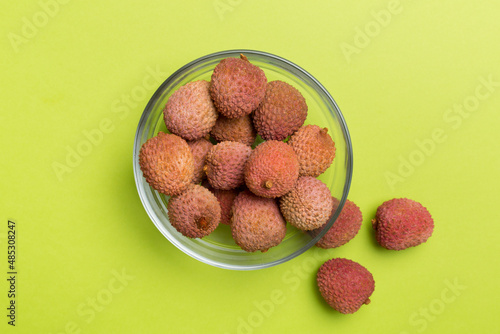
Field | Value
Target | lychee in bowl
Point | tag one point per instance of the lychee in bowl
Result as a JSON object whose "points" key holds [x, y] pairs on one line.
{"points": [[219, 249]]}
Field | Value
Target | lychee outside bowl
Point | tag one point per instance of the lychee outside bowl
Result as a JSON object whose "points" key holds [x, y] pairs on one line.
{"points": [[218, 249]]}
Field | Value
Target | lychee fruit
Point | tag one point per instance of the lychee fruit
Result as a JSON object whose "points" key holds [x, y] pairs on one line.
{"points": [[257, 223], [226, 200], [234, 129], [195, 213], [345, 285], [200, 149], [315, 149], [281, 113], [190, 112], [167, 163], [237, 86], [345, 227], [225, 163], [272, 169], [401, 223], [308, 205]]}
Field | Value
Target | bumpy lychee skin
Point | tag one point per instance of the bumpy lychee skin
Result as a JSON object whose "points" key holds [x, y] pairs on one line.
{"points": [[167, 163], [345, 285], [195, 213], [272, 169], [225, 164], [237, 86], [234, 129], [308, 205], [345, 228], [401, 223], [190, 112], [200, 149], [257, 223], [226, 200], [315, 149], [281, 113]]}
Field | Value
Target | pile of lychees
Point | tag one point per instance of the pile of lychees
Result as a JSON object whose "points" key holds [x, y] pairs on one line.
{"points": [[398, 224], [215, 171], [254, 190]]}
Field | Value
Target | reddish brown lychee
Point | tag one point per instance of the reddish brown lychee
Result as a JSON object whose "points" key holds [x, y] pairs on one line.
{"points": [[272, 169], [190, 112], [195, 213], [345, 227], [401, 223], [315, 149], [167, 163], [234, 129], [226, 200], [345, 285], [200, 149], [308, 205], [281, 113], [257, 223], [237, 86], [225, 164]]}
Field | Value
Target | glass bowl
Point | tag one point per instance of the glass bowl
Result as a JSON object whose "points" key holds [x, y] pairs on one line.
{"points": [[218, 249]]}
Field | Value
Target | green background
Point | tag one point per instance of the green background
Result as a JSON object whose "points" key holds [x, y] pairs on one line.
{"points": [[411, 78]]}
